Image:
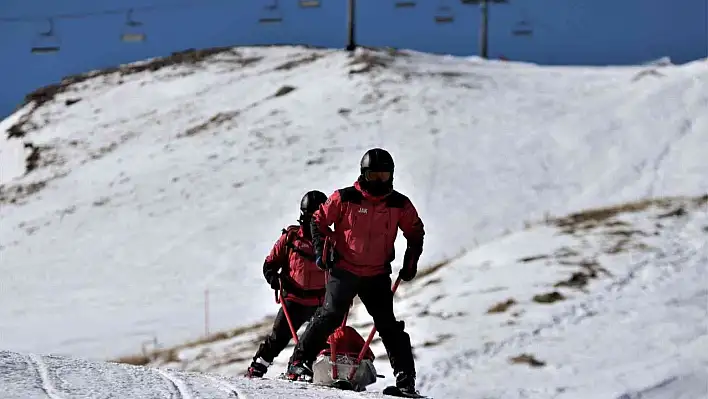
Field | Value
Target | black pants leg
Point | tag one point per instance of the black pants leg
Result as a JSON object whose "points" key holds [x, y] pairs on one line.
{"points": [[375, 293], [341, 290], [280, 336]]}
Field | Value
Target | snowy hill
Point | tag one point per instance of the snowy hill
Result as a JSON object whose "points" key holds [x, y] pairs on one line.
{"points": [[608, 303], [620, 289], [56, 377], [124, 195]]}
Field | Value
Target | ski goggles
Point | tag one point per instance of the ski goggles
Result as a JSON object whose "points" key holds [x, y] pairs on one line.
{"points": [[371, 175]]}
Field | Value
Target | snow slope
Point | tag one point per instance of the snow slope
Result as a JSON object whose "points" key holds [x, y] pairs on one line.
{"points": [[148, 188], [55, 377], [605, 304], [633, 327]]}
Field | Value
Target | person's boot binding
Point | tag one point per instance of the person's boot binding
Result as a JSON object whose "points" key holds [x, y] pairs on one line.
{"points": [[299, 371], [405, 381], [258, 368]]}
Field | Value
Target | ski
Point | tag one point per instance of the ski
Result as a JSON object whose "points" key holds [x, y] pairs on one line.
{"points": [[300, 380], [392, 390], [341, 384], [344, 385]]}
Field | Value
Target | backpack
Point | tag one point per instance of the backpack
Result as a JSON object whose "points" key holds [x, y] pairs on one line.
{"points": [[291, 232]]}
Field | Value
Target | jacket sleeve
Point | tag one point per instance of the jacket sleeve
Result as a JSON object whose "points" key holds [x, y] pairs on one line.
{"points": [[325, 216], [414, 232], [276, 259]]}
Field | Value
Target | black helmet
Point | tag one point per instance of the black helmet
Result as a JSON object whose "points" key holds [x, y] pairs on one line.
{"points": [[311, 201], [376, 160]]}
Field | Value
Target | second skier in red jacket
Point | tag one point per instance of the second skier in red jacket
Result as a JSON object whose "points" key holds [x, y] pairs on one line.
{"points": [[292, 262]]}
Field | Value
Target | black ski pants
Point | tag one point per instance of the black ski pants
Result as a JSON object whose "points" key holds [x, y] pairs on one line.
{"points": [[280, 336], [375, 293]]}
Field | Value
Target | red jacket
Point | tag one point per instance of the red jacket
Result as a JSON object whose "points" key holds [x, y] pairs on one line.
{"points": [[365, 229], [302, 280]]}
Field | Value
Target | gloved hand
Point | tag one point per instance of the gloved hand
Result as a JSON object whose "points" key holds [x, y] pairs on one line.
{"points": [[408, 272], [328, 259], [274, 281], [410, 263], [326, 264], [320, 263]]}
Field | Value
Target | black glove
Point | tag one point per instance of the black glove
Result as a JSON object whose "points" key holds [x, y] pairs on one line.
{"points": [[328, 260], [320, 263], [410, 263], [408, 273], [274, 281]]}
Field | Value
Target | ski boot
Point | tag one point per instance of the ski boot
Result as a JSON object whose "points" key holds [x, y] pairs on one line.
{"points": [[405, 386], [258, 368], [405, 382], [299, 371]]}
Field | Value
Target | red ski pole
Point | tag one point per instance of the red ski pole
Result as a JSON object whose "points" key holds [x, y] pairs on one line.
{"points": [[285, 311], [370, 338]]}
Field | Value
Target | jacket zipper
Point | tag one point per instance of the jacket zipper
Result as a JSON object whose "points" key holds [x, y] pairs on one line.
{"points": [[305, 272], [370, 226]]}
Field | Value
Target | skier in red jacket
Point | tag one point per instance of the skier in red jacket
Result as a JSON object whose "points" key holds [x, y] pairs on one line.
{"points": [[366, 219], [292, 261]]}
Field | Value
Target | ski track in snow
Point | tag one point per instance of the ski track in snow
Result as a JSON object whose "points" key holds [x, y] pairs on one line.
{"points": [[43, 374], [180, 385], [226, 386]]}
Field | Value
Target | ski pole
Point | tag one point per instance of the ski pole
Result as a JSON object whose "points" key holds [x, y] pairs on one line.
{"points": [[371, 337], [285, 312]]}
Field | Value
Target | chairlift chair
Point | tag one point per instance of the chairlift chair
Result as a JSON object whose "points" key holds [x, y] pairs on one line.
{"points": [[309, 3], [523, 27], [479, 2], [131, 33], [273, 13], [444, 14], [46, 42], [404, 4]]}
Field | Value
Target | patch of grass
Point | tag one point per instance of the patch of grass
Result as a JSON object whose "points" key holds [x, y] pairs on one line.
{"points": [[533, 258], [284, 90], [626, 233], [367, 61], [217, 120], [292, 64], [436, 298], [437, 341], [437, 266], [619, 246], [678, 212], [565, 252], [647, 72], [592, 217], [577, 280], [14, 194], [171, 354], [502, 307], [617, 223], [548, 297], [527, 359], [48, 93], [440, 315], [432, 281]]}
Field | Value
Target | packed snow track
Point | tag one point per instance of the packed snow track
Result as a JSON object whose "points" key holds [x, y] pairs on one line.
{"points": [[55, 377]]}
